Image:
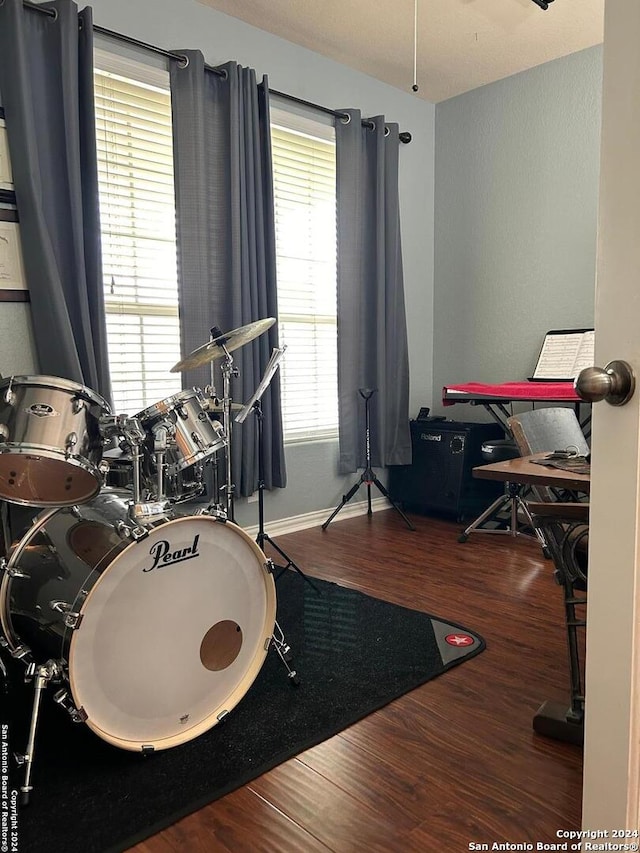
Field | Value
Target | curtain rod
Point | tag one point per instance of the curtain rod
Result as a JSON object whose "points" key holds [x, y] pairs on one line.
{"points": [[404, 136]]}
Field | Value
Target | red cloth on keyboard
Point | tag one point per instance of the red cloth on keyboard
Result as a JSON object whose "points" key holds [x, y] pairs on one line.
{"points": [[523, 391]]}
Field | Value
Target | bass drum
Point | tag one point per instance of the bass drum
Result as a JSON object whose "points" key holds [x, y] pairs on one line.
{"points": [[160, 636]]}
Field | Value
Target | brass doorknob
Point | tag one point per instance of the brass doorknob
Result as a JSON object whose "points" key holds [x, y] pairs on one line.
{"points": [[615, 383]]}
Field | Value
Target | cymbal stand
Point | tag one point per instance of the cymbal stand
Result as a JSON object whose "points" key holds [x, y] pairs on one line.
{"points": [[210, 392], [368, 476], [263, 537], [228, 372]]}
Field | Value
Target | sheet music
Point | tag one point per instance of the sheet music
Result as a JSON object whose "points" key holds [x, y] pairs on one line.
{"points": [[563, 356], [585, 356]]}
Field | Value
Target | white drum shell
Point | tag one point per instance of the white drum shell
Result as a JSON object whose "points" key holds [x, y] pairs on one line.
{"points": [[173, 628]]}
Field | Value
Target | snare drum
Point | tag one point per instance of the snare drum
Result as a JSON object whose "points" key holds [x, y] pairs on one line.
{"points": [[160, 632], [195, 437], [50, 442]]}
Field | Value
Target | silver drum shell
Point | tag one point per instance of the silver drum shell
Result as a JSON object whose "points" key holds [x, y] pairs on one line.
{"points": [[50, 441]]}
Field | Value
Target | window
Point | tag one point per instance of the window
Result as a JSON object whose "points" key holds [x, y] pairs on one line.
{"points": [[137, 214], [304, 177]]}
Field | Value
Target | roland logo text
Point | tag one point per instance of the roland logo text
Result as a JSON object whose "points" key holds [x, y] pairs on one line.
{"points": [[163, 556], [430, 436]]}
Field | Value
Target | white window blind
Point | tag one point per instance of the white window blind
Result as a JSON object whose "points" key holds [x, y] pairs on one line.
{"points": [[137, 214], [304, 176]]}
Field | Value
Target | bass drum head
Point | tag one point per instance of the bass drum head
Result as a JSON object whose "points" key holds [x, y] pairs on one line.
{"points": [[173, 634]]}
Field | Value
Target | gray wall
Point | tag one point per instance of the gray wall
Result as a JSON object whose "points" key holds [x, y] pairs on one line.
{"points": [[517, 166]]}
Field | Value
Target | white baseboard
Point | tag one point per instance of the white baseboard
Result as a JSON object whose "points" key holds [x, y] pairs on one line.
{"points": [[318, 517]]}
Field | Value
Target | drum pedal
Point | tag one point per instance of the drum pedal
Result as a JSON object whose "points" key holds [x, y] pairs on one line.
{"points": [[283, 650]]}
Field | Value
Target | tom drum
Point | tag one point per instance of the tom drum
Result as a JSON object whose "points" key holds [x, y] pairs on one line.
{"points": [[194, 436], [50, 441]]}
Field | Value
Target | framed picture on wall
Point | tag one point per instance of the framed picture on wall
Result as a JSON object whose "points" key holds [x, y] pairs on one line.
{"points": [[6, 177], [13, 285]]}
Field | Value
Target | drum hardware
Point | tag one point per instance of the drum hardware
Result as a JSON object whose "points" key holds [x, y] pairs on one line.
{"points": [[221, 345], [254, 405], [141, 508], [71, 619], [12, 571], [215, 406], [283, 650], [62, 698], [160, 441], [214, 510], [125, 531], [262, 536], [178, 436], [9, 396], [70, 443], [41, 675]]}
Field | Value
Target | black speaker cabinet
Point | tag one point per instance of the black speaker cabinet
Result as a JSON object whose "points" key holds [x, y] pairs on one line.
{"points": [[439, 480]]}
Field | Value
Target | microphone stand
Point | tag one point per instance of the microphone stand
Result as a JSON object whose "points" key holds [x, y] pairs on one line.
{"points": [[263, 537]]}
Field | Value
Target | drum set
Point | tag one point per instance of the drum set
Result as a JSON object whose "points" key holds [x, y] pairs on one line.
{"points": [[152, 621]]}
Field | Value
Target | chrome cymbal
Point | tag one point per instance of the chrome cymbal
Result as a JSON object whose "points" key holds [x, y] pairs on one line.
{"points": [[229, 341]]}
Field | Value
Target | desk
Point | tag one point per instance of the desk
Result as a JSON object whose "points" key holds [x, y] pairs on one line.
{"points": [[561, 524], [524, 470]]}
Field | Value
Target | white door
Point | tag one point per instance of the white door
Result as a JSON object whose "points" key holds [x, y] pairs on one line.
{"points": [[612, 762]]}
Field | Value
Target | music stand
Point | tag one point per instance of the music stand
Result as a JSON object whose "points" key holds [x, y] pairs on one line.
{"points": [[254, 405]]}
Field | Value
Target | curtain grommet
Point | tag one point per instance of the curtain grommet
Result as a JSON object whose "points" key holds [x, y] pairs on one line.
{"points": [[184, 61], [345, 119], [386, 130]]}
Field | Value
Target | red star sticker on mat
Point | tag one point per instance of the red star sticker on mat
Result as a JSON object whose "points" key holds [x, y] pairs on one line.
{"points": [[459, 639]]}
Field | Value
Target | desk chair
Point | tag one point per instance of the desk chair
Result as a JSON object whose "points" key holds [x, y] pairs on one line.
{"points": [[545, 430], [511, 502], [566, 529]]}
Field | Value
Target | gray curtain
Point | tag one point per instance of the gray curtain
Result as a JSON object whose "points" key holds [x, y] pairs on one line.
{"points": [[372, 330], [46, 88], [226, 242]]}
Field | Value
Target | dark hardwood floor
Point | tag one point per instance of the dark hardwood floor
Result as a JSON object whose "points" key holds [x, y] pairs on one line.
{"points": [[455, 761]]}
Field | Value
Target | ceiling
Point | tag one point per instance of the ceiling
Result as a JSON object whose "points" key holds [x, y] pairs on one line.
{"points": [[462, 44]]}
